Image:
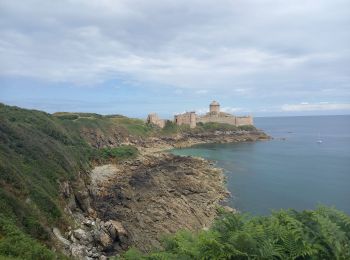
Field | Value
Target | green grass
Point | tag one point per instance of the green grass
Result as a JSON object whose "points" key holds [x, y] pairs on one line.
{"points": [[37, 152], [14, 243], [287, 234], [118, 153]]}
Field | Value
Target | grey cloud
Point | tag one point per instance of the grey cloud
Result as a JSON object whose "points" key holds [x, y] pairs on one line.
{"points": [[251, 48]]}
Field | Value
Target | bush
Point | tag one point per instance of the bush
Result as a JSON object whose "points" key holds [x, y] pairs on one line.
{"points": [[121, 152]]}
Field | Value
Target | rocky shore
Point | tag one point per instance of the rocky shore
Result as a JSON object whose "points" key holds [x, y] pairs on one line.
{"points": [[137, 202]]}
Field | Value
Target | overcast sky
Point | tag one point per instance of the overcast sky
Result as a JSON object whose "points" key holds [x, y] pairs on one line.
{"points": [[263, 57]]}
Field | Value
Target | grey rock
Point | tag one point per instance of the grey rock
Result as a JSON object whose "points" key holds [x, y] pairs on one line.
{"points": [[78, 251], [60, 238]]}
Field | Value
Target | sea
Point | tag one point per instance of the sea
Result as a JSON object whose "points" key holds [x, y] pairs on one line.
{"points": [[306, 164]]}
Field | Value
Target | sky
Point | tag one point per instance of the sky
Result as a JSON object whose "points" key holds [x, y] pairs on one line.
{"points": [[133, 57]]}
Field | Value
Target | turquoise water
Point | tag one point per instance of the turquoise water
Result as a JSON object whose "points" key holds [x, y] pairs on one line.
{"points": [[295, 173]]}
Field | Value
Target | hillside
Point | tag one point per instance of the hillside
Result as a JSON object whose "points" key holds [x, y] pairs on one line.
{"points": [[39, 152]]}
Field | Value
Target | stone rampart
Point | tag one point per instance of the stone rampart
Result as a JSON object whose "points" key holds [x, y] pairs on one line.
{"points": [[244, 120]]}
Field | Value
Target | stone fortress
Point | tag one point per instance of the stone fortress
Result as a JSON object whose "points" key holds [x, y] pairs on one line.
{"points": [[214, 115]]}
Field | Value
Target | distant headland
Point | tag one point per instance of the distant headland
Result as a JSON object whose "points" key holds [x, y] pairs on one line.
{"points": [[213, 116]]}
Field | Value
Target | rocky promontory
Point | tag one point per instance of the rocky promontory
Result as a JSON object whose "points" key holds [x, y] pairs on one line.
{"points": [[138, 201]]}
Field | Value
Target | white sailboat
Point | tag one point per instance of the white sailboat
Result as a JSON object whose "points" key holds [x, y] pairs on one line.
{"points": [[319, 141]]}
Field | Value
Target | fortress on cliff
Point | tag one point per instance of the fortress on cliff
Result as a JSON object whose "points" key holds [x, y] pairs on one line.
{"points": [[214, 115]]}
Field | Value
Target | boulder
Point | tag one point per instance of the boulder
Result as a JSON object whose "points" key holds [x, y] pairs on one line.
{"points": [[82, 235], [83, 199], [60, 238], [105, 240], [116, 230], [78, 251]]}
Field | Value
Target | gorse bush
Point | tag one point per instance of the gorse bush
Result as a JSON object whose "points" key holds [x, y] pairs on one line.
{"points": [[287, 234]]}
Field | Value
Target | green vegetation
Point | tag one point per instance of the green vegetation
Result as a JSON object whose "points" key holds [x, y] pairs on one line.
{"points": [[118, 153], [38, 151], [17, 244], [247, 128], [320, 234], [171, 128]]}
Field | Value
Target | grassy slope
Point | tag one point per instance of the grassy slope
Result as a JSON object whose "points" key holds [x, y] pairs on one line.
{"points": [[37, 151]]}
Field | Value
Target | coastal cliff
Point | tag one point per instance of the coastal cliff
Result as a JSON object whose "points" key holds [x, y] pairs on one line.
{"points": [[71, 192], [152, 195]]}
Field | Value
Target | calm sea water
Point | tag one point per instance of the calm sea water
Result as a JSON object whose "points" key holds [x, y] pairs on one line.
{"points": [[295, 173]]}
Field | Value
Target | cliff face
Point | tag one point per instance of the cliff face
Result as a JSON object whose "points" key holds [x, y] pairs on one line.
{"points": [[137, 202]]}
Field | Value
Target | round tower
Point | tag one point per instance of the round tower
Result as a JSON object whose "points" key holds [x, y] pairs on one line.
{"points": [[214, 107]]}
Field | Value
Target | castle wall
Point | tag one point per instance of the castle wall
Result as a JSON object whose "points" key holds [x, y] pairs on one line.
{"points": [[231, 120], [188, 118], [244, 120], [226, 119], [154, 119]]}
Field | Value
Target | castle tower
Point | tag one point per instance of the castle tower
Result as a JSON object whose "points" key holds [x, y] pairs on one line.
{"points": [[193, 121], [214, 107]]}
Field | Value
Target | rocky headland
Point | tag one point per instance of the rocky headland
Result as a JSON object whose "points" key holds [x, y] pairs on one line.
{"points": [[136, 202]]}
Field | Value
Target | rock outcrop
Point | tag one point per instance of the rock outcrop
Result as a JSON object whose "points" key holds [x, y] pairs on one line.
{"points": [[158, 195]]}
